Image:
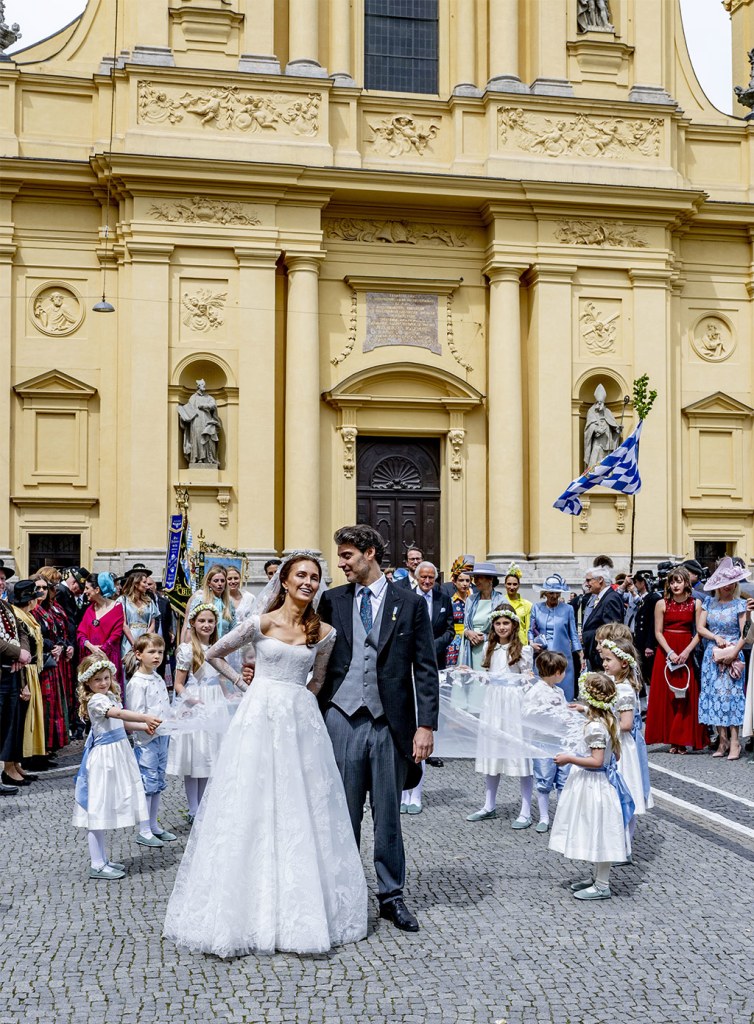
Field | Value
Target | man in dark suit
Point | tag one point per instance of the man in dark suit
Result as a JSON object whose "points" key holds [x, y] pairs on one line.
{"points": [[645, 640], [413, 557], [380, 701], [607, 606], [439, 607]]}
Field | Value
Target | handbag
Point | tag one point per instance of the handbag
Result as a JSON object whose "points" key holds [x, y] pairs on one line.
{"points": [[679, 692]]}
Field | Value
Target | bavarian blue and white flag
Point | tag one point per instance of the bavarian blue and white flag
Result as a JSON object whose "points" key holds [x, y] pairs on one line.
{"points": [[618, 470]]}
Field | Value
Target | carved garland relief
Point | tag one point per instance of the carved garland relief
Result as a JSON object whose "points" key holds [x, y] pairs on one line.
{"points": [[600, 233], [399, 232], [56, 310], [203, 210], [582, 135], [228, 108]]}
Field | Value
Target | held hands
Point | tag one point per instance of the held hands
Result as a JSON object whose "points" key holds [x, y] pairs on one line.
{"points": [[424, 743], [152, 723], [561, 759], [721, 641], [24, 657], [25, 694], [247, 673], [682, 657]]}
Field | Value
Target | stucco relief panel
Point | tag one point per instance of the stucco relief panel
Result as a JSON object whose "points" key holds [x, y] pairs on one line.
{"points": [[600, 328], [712, 337], [581, 135], [203, 309], [55, 308]]}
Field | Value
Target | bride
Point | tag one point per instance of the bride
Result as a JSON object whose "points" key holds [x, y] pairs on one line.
{"points": [[271, 862]]}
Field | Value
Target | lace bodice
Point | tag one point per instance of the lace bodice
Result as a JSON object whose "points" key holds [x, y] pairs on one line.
{"points": [[277, 660]]}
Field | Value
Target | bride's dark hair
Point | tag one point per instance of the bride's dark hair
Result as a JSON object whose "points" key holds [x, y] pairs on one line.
{"points": [[311, 621]]}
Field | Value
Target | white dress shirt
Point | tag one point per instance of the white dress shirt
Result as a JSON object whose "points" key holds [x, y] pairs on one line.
{"points": [[377, 591]]}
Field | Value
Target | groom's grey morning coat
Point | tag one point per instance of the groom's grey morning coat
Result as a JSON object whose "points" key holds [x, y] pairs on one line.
{"points": [[405, 661]]}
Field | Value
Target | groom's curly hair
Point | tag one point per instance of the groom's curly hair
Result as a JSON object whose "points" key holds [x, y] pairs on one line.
{"points": [[362, 537]]}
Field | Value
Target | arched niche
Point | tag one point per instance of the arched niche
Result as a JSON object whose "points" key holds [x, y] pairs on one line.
{"points": [[617, 389], [220, 382]]}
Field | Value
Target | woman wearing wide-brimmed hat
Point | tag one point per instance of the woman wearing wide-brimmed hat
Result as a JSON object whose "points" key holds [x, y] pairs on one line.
{"points": [[721, 621], [479, 608], [552, 627]]}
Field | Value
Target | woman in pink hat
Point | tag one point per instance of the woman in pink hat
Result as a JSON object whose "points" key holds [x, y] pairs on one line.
{"points": [[721, 621]]}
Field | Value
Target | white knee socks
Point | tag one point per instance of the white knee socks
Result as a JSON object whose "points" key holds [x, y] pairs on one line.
{"points": [[491, 782], [97, 854], [632, 827], [201, 785], [153, 803], [527, 785], [602, 875], [543, 803]]}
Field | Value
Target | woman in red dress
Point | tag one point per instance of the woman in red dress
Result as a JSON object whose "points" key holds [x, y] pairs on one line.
{"points": [[101, 629], [52, 677], [672, 719]]}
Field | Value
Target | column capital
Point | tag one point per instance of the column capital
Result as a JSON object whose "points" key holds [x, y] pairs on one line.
{"points": [[650, 277], [150, 252], [554, 273], [310, 261], [262, 258], [496, 272]]}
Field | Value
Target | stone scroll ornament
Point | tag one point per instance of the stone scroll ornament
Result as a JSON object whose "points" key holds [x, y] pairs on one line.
{"points": [[228, 108], [582, 135]]}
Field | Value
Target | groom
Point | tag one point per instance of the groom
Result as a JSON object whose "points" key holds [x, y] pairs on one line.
{"points": [[383, 653]]}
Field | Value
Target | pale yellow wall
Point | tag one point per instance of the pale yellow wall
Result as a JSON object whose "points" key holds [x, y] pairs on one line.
{"points": [[283, 200]]}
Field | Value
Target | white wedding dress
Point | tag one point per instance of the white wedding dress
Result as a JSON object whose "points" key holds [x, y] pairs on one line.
{"points": [[271, 862]]}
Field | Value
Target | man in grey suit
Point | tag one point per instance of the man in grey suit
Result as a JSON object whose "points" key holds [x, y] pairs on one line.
{"points": [[380, 701]]}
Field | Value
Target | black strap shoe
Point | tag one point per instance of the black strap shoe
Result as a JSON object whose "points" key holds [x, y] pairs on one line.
{"points": [[397, 912], [7, 790]]}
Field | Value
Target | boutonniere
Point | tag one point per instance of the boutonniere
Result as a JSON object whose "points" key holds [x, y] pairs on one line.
{"points": [[442, 609], [395, 612]]}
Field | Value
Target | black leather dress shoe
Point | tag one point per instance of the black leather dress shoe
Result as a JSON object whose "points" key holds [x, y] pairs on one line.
{"points": [[28, 777], [7, 790], [8, 780], [435, 762], [397, 912]]}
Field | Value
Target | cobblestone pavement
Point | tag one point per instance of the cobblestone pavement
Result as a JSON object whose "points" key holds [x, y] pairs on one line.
{"points": [[502, 939]]}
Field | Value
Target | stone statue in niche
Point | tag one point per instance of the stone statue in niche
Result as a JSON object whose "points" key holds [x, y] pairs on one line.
{"points": [[594, 16], [201, 429], [602, 432]]}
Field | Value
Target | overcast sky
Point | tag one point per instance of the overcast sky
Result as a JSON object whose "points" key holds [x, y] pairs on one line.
{"points": [[706, 23]]}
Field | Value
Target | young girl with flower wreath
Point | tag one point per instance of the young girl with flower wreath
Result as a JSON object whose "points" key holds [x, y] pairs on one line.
{"points": [[595, 806], [510, 667], [193, 754], [109, 790], [621, 662]]}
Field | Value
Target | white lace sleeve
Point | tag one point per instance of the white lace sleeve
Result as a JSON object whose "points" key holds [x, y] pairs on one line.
{"points": [[527, 661], [184, 657], [244, 633], [324, 650], [596, 736]]}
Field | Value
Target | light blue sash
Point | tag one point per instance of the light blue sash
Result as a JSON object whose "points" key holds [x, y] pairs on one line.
{"points": [[641, 750], [82, 777], [618, 783]]}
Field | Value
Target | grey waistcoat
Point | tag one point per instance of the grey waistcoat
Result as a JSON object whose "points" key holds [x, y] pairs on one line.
{"points": [[359, 688]]}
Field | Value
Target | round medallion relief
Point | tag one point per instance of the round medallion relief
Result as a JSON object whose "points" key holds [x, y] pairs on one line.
{"points": [[712, 338], [56, 309]]}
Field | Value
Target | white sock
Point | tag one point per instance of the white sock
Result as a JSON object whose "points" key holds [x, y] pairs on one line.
{"points": [[145, 829], [201, 785], [416, 792], [632, 827], [527, 784], [192, 794], [543, 802], [97, 855], [153, 802], [491, 782], [602, 875]]}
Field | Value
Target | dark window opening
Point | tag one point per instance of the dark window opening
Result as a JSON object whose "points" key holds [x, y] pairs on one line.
{"points": [[401, 45]]}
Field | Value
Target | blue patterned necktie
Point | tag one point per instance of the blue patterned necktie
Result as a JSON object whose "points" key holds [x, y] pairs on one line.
{"points": [[366, 608]]}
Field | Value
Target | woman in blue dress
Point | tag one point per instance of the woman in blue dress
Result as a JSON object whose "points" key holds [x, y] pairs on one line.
{"points": [[721, 623], [552, 627]]}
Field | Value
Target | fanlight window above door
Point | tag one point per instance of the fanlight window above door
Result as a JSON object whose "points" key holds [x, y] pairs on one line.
{"points": [[396, 474]]}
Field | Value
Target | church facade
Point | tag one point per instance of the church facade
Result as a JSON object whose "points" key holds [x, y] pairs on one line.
{"points": [[402, 247]]}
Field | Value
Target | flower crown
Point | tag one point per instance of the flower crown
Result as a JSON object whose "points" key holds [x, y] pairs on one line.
{"points": [[202, 608], [96, 667], [586, 694], [513, 570], [622, 655], [504, 613]]}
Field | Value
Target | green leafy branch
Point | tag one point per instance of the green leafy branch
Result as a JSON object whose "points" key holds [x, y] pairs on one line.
{"points": [[644, 399]]}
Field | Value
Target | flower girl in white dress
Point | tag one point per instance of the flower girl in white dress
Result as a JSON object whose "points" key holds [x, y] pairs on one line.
{"points": [[511, 673], [595, 806], [272, 863]]}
